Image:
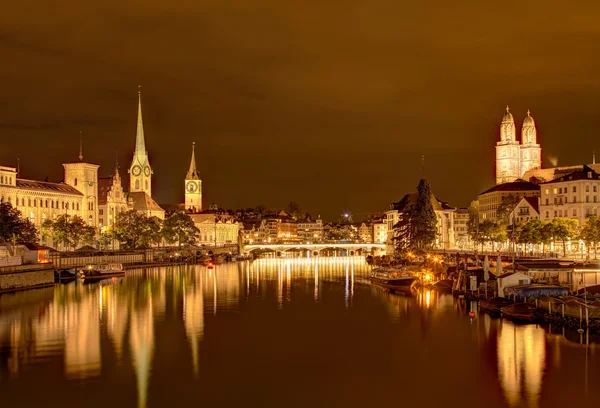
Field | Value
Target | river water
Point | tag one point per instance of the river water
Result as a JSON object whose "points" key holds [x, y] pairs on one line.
{"points": [[277, 333]]}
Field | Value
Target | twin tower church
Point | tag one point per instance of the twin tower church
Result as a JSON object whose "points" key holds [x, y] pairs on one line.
{"points": [[140, 177], [514, 159]]}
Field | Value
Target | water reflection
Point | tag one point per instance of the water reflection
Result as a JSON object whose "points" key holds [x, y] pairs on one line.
{"points": [[521, 362], [190, 325]]}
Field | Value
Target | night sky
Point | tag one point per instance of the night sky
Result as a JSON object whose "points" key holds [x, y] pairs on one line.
{"points": [[328, 103]]}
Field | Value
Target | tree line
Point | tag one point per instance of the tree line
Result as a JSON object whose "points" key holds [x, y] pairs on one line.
{"points": [[132, 230], [533, 232]]}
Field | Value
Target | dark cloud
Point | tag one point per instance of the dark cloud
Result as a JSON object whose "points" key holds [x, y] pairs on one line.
{"points": [[329, 103]]}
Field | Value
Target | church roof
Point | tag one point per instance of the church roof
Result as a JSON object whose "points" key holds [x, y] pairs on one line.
{"points": [[143, 202], [46, 186], [140, 144], [192, 173], [528, 121], [508, 117], [514, 186], [583, 173]]}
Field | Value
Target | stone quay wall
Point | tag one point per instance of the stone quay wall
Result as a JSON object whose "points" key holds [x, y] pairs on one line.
{"points": [[26, 279]]}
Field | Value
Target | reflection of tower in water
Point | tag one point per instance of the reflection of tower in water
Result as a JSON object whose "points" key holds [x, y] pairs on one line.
{"points": [[521, 362], [141, 340], [193, 315]]}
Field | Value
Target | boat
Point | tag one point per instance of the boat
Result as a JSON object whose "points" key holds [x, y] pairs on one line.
{"points": [[102, 270], [524, 292], [65, 274], [519, 312], [393, 278], [444, 284], [493, 306]]}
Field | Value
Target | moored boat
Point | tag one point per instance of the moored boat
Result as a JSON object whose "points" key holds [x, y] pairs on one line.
{"points": [[393, 278], [493, 306], [519, 312], [102, 270]]}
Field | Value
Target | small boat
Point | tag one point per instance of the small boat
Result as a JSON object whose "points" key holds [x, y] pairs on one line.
{"points": [[393, 278], [102, 270], [444, 284], [519, 312], [65, 274], [493, 306]]}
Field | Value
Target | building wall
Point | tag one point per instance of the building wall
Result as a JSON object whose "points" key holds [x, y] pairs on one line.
{"points": [[84, 177], [489, 202], [380, 232], [576, 199]]}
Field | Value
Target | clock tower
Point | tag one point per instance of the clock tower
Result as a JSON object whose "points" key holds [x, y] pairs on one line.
{"points": [[193, 186], [140, 172]]}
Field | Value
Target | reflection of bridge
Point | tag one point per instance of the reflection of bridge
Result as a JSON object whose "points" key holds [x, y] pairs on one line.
{"points": [[312, 247]]}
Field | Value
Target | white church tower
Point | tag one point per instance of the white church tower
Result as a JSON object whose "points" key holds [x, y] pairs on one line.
{"points": [[140, 172], [508, 154], [531, 152], [193, 186]]}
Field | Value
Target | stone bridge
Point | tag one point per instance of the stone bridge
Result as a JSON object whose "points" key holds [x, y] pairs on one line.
{"points": [[350, 247]]}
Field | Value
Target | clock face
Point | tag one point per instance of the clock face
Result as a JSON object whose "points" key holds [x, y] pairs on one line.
{"points": [[136, 170], [191, 187], [147, 171]]}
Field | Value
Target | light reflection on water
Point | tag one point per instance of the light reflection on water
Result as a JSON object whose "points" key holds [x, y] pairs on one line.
{"points": [[164, 328]]}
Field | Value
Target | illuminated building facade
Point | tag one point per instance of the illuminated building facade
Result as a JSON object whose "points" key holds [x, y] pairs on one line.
{"points": [[514, 159], [112, 200], [216, 229], [490, 200], [574, 195], [42, 200]]}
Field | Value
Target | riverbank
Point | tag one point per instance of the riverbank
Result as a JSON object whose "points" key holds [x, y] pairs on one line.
{"points": [[24, 277]]}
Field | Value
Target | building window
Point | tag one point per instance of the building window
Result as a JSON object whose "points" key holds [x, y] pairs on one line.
{"points": [[546, 201], [137, 184], [23, 202], [52, 203], [587, 189], [101, 212], [146, 184], [560, 213], [32, 217], [574, 189], [555, 213], [574, 212], [594, 188], [587, 199], [75, 182], [77, 206]]}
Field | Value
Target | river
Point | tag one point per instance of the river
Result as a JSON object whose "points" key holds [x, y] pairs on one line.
{"points": [[277, 333]]}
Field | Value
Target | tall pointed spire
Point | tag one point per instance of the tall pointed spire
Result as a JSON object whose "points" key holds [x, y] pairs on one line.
{"points": [[192, 173], [140, 144]]}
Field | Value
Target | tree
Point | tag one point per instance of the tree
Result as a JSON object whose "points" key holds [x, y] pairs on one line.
{"points": [[590, 233], [180, 228], [424, 220], [15, 228], [473, 225], [69, 231], [492, 232], [563, 229], [531, 233], [507, 205], [417, 225], [294, 210], [134, 230]]}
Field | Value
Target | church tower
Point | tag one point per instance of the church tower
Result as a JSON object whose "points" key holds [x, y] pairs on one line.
{"points": [[193, 186], [531, 152], [508, 153], [84, 177], [140, 172]]}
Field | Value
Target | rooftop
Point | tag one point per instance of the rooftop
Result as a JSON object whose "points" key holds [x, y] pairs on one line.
{"points": [[47, 186], [514, 186]]}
